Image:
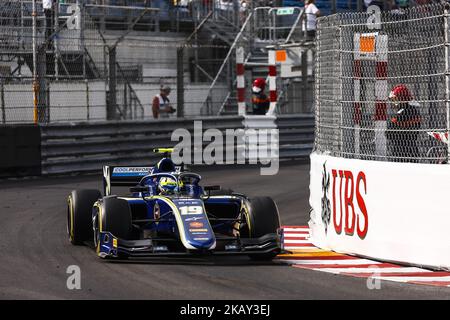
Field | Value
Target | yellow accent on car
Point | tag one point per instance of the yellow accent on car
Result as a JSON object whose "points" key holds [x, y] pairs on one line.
{"points": [[247, 217], [100, 228], [163, 150], [115, 243], [69, 200]]}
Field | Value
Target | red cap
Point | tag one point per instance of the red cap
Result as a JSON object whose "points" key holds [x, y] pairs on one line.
{"points": [[401, 93], [258, 85]]}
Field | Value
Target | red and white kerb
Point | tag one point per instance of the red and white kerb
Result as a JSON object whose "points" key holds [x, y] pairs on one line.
{"points": [[240, 70]]}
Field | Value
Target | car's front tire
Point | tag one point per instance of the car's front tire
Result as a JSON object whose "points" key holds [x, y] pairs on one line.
{"points": [[79, 215], [262, 218], [114, 216]]}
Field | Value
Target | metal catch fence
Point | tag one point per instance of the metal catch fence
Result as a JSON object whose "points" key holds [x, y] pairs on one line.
{"points": [[382, 86], [91, 60], [99, 62]]}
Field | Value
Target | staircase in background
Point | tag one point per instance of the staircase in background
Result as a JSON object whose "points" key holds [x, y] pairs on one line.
{"points": [[256, 35]]}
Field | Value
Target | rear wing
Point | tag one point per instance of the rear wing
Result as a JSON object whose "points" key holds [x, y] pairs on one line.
{"points": [[125, 176]]}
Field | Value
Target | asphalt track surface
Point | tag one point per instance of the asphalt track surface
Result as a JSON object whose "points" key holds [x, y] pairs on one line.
{"points": [[35, 251]]}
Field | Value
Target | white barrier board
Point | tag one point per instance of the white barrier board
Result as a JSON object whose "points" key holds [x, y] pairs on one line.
{"points": [[388, 211]]}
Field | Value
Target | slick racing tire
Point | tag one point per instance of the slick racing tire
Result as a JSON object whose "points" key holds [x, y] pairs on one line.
{"points": [[263, 218], [115, 215], [79, 215]]}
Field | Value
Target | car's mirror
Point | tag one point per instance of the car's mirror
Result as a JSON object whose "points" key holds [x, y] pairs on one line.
{"points": [[140, 189], [211, 188]]}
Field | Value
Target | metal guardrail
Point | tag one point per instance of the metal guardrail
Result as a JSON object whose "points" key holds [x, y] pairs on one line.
{"points": [[296, 134], [86, 147]]}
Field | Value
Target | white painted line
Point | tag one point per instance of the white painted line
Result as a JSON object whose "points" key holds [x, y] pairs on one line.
{"points": [[378, 271], [296, 229], [297, 232], [296, 241], [339, 262], [409, 279], [296, 235]]}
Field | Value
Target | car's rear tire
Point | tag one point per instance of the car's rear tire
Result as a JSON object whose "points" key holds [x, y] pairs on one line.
{"points": [[116, 219], [79, 215], [262, 218]]}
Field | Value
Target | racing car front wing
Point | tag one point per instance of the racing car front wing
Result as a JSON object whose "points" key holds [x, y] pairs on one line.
{"points": [[113, 247]]}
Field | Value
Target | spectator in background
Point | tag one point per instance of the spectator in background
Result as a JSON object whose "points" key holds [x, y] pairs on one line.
{"points": [[49, 12], [260, 102], [161, 106], [245, 6], [309, 24], [403, 128]]}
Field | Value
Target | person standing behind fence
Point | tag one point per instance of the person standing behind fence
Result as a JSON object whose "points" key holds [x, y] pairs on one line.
{"points": [[49, 12], [260, 102], [161, 106], [403, 128], [311, 14]]}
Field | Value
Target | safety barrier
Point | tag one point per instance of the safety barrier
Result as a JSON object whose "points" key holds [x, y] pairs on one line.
{"points": [[377, 188], [296, 133], [383, 210], [20, 146], [85, 147]]}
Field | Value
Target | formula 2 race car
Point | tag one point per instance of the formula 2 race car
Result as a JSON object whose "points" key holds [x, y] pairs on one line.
{"points": [[168, 213]]}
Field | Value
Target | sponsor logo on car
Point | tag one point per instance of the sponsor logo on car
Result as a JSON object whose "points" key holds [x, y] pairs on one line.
{"points": [[131, 171], [198, 230], [196, 224], [193, 219]]}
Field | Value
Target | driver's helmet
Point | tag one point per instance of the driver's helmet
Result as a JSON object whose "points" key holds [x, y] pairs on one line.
{"points": [[167, 185]]}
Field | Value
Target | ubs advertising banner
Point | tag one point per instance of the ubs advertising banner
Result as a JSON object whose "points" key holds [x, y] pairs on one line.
{"points": [[389, 211]]}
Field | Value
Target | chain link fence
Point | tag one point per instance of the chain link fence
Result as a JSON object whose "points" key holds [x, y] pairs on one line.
{"points": [[107, 60], [360, 59], [98, 62]]}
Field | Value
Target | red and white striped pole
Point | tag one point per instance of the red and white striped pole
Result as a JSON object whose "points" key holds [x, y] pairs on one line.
{"points": [[371, 47], [240, 79], [272, 83], [381, 94]]}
